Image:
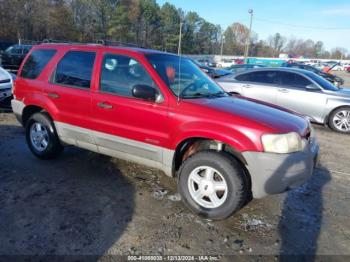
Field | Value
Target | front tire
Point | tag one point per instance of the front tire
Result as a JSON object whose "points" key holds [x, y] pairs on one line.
{"points": [[41, 137], [339, 120], [212, 184]]}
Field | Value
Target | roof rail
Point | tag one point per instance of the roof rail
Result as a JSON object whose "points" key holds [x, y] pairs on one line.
{"points": [[51, 41], [98, 42], [118, 43]]}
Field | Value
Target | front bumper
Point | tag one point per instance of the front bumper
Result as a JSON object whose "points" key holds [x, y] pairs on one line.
{"points": [[276, 173]]}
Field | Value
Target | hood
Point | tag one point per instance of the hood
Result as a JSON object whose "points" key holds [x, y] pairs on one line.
{"points": [[4, 75], [271, 119], [344, 92]]}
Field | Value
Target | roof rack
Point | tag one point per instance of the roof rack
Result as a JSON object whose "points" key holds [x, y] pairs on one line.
{"points": [[51, 41], [98, 42], [118, 43]]}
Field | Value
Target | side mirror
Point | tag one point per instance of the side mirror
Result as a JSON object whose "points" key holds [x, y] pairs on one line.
{"points": [[145, 92], [312, 87]]}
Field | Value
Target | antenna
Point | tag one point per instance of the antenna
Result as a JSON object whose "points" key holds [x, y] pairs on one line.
{"points": [[179, 54]]}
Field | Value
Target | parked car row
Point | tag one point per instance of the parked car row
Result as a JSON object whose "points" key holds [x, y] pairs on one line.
{"points": [[293, 86], [299, 90]]}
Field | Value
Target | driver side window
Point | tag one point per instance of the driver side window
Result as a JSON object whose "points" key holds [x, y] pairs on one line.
{"points": [[119, 74]]}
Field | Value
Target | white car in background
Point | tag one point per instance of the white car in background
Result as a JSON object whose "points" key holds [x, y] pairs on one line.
{"points": [[312, 62], [341, 67], [225, 63], [6, 84]]}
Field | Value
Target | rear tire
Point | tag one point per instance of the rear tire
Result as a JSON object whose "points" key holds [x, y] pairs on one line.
{"points": [[228, 181], [339, 120], [42, 138]]}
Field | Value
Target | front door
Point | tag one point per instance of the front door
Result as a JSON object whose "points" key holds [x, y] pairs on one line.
{"points": [[260, 85], [126, 124], [294, 94]]}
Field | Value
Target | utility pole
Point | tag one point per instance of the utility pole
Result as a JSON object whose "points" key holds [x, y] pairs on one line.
{"points": [[180, 38], [247, 45], [222, 43]]}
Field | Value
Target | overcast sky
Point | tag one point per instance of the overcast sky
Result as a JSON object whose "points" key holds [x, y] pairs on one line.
{"points": [[325, 20]]}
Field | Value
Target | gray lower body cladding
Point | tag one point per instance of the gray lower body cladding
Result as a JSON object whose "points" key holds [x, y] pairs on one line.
{"points": [[276, 173]]}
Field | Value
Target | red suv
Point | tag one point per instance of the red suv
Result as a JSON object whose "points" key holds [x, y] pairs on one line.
{"points": [[161, 110]]}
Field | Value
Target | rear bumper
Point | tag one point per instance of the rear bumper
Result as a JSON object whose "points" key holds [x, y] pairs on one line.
{"points": [[17, 108], [276, 173]]}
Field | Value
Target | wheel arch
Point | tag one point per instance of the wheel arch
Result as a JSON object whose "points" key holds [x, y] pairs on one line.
{"points": [[326, 121], [192, 145]]}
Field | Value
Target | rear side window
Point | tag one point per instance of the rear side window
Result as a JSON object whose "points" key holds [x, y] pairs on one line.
{"points": [[243, 78], [75, 69], [263, 77], [295, 80], [17, 51], [36, 63]]}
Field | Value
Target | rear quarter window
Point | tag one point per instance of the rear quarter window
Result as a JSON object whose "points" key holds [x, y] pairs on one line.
{"points": [[36, 63]]}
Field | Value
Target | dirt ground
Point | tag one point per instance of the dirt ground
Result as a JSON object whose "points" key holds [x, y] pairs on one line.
{"points": [[87, 204]]}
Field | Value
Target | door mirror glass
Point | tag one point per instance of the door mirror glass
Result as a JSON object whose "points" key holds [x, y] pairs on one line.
{"points": [[145, 92], [312, 87]]}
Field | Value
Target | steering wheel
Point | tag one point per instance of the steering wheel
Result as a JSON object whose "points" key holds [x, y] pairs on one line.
{"points": [[192, 87]]}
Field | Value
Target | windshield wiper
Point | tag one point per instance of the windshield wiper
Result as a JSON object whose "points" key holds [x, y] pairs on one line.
{"points": [[207, 95], [196, 95], [218, 94]]}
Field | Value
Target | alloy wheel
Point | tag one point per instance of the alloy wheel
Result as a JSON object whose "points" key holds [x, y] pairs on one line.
{"points": [[207, 187]]}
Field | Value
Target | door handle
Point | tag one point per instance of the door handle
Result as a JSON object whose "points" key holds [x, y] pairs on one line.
{"points": [[53, 95], [104, 105], [283, 90], [247, 86]]}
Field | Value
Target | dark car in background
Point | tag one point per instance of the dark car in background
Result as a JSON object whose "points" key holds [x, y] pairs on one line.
{"points": [[13, 56], [243, 67], [336, 80], [207, 62], [212, 72], [4, 45]]}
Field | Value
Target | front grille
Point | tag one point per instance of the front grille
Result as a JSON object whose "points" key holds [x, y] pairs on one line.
{"points": [[5, 81]]}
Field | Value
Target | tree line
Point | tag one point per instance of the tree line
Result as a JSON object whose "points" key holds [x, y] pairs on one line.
{"points": [[144, 23]]}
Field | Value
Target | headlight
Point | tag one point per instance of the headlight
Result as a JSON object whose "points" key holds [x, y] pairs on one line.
{"points": [[282, 144]]}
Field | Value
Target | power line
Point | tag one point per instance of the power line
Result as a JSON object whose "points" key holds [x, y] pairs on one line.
{"points": [[301, 26]]}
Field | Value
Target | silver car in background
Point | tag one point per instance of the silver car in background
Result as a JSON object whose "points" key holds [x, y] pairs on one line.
{"points": [[295, 89], [6, 83]]}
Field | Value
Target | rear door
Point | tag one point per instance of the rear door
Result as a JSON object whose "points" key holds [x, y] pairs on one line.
{"points": [[128, 125], [294, 94], [259, 85], [69, 90]]}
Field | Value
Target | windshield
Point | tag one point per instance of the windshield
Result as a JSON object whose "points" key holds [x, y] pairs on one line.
{"points": [[313, 69], [8, 50], [183, 77], [326, 85]]}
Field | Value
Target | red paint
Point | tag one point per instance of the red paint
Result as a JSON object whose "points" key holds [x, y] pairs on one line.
{"points": [[232, 120]]}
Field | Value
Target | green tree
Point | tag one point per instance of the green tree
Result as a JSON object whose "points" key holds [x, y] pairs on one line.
{"points": [[170, 27]]}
